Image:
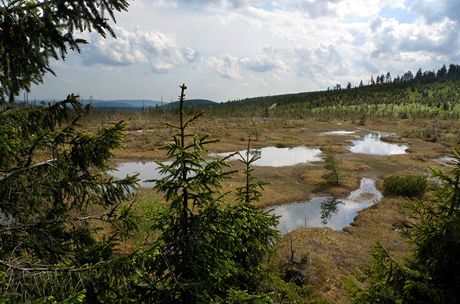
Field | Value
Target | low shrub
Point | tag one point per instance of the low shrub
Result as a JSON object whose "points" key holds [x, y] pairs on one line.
{"points": [[410, 186]]}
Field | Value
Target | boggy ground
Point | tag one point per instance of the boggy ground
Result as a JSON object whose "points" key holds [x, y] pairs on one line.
{"points": [[146, 136], [328, 257]]}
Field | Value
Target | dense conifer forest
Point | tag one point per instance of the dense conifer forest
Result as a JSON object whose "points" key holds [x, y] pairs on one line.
{"points": [[426, 95]]}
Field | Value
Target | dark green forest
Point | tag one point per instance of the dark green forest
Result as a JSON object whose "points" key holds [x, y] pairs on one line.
{"points": [[419, 97]]}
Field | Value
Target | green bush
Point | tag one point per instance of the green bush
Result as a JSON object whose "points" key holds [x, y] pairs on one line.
{"points": [[410, 186]]}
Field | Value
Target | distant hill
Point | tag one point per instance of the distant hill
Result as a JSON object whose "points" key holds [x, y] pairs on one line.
{"points": [[191, 103], [123, 103], [139, 104], [420, 94], [410, 99]]}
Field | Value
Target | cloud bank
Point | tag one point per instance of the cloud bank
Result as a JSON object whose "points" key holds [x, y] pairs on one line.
{"points": [[235, 48]]}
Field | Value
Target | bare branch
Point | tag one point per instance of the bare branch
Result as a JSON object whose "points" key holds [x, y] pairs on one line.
{"points": [[16, 171], [71, 219], [50, 268]]}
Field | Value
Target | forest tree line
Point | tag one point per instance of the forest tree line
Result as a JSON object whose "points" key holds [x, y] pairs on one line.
{"points": [[444, 73], [425, 95]]}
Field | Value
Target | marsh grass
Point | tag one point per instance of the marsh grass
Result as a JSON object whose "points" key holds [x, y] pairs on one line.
{"points": [[146, 209]]}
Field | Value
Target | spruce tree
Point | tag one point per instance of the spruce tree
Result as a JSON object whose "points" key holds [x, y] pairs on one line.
{"points": [[32, 32], [61, 216], [59, 210], [331, 164], [206, 250]]}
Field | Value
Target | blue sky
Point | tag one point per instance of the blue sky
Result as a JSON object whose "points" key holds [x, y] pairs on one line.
{"points": [[232, 49]]}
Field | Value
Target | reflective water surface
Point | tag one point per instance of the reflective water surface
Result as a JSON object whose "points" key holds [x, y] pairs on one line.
{"points": [[308, 213], [146, 171], [279, 157], [372, 145], [339, 132]]}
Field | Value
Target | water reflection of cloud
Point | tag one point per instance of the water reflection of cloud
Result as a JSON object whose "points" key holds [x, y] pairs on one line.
{"points": [[339, 132], [146, 171], [308, 213], [371, 144], [280, 157], [367, 192]]}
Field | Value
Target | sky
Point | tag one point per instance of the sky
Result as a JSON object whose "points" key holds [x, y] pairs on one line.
{"points": [[233, 49]]}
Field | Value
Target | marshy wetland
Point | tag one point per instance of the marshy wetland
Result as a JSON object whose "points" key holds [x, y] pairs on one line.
{"points": [[335, 249]]}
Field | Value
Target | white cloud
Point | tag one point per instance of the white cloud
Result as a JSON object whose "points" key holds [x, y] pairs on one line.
{"points": [[268, 62], [152, 47], [319, 8], [161, 3], [223, 4], [338, 8], [434, 11], [323, 64], [190, 54], [392, 37], [225, 65], [263, 63]]}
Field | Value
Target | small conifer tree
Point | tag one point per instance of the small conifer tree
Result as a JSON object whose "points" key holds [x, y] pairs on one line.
{"points": [[331, 164], [207, 250]]}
